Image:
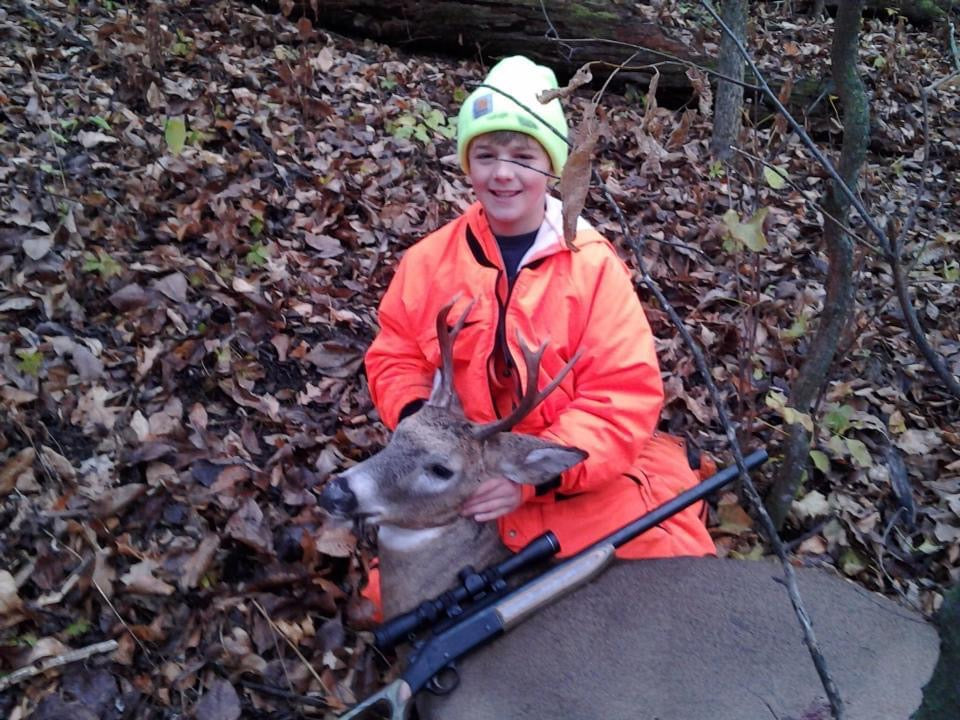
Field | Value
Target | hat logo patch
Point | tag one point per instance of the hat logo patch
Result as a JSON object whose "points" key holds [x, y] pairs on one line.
{"points": [[482, 105]]}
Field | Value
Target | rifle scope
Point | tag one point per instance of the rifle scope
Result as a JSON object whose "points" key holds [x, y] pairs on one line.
{"points": [[472, 587]]}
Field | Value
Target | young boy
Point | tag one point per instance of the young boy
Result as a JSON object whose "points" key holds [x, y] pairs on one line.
{"points": [[506, 253]]}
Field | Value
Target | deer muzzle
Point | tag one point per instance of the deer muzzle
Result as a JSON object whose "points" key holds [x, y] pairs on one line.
{"points": [[337, 498]]}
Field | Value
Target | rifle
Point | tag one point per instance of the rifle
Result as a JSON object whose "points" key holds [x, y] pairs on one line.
{"points": [[498, 609]]}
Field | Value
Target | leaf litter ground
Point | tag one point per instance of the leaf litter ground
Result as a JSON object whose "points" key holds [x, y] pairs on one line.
{"points": [[200, 209]]}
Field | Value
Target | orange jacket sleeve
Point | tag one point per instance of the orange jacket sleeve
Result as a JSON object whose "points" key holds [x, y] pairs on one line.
{"points": [[397, 370], [618, 392]]}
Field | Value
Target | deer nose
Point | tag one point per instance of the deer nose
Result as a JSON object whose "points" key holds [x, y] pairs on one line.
{"points": [[338, 498]]}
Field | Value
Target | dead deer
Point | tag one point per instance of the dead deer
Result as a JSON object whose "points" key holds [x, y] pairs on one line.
{"points": [[674, 639]]}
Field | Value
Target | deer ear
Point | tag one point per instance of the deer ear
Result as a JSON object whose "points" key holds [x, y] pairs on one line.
{"points": [[528, 460]]}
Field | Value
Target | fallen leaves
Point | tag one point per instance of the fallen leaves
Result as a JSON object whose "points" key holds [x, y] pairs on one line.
{"points": [[189, 272]]}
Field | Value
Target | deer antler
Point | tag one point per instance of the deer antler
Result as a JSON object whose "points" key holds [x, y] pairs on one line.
{"points": [[443, 394], [531, 398]]}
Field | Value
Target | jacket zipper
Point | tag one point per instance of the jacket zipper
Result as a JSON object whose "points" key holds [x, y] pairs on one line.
{"points": [[500, 338]]}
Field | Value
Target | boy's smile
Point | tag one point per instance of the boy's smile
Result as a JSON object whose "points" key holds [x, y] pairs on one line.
{"points": [[510, 181]]}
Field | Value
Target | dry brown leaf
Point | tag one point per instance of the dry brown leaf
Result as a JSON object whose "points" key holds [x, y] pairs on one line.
{"points": [[174, 286], [812, 505], [575, 179], [335, 540], [168, 420], [918, 442], [240, 652], [15, 396], [140, 579], [130, 297], [580, 78], [335, 359], [326, 246], [701, 86], [90, 138], [10, 603], [14, 467], [104, 574], [117, 499], [198, 417], [93, 412], [281, 343], [199, 562], [62, 467], [36, 247], [89, 366], [159, 473], [734, 520], [247, 526]]}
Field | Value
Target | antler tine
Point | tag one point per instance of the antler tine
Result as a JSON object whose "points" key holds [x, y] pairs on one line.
{"points": [[443, 395], [531, 398]]}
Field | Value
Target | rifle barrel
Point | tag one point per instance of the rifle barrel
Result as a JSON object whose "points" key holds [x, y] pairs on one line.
{"points": [[681, 501]]}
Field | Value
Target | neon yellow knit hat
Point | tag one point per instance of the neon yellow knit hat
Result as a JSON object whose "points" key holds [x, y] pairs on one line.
{"points": [[486, 110]]}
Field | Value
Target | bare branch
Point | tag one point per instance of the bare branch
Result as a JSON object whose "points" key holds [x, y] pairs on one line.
{"points": [[37, 668]]}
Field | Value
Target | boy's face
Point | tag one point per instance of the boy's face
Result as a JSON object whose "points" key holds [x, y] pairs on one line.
{"points": [[509, 181]]}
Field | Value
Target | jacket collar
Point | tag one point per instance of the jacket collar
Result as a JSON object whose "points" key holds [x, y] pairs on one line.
{"points": [[549, 240]]}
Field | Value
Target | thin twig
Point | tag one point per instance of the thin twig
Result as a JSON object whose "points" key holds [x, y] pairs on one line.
{"points": [[914, 328], [37, 668], [296, 650], [91, 537]]}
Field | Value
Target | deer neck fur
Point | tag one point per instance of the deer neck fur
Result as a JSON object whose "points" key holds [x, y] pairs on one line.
{"points": [[417, 564]]}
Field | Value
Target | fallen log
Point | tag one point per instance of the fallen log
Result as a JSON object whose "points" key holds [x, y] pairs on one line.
{"points": [[603, 31]]}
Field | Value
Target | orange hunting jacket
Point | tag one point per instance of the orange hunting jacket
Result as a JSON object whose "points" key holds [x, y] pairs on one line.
{"points": [[608, 405]]}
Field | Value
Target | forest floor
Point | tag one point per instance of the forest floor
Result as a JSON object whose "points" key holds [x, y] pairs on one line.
{"points": [[200, 205]]}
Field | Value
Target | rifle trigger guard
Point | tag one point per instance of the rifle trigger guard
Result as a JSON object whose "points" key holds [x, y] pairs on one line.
{"points": [[445, 681]]}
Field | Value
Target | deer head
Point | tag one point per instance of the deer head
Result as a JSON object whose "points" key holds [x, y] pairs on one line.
{"points": [[436, 457]]}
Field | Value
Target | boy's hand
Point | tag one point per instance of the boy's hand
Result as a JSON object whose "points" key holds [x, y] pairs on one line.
{"points": [[495, 497]]}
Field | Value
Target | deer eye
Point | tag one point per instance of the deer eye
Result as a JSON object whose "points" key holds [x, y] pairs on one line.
{"points": [[441, 471]]}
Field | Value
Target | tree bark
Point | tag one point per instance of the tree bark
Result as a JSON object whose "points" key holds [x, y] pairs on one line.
{"points": [[496, 28], [838, 303], [727, 114]]}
